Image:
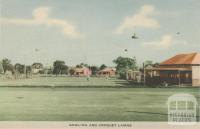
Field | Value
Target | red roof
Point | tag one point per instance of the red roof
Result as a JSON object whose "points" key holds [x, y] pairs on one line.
{"points": [[107, 70], [185, 59], [81, 69]]}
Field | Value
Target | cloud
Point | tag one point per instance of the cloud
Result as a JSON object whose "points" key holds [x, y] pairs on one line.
{"points": [[165, 42], [40, 16], [141, 19]]}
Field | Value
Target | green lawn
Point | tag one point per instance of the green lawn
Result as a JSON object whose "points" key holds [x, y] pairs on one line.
{"points": [[86, 104], [83, 100], [63, 81]]}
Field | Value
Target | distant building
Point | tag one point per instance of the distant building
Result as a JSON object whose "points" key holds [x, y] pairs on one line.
{"points": [[36, 71], [182, 69], [133, 75], [107, 72], [36, 68], [84, 71]]}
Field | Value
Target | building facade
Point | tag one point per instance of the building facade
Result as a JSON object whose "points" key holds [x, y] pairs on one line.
{"points": [[82, 71], [106, 72], [182, 69], [133, 75]]}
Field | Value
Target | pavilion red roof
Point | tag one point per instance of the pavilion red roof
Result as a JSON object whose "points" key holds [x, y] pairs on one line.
{"points": [[183, 59]]}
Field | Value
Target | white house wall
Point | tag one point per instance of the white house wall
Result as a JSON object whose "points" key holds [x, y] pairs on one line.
{"points": [[196, 75]]}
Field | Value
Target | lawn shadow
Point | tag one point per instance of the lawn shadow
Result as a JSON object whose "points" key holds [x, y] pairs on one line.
{"points": [[150, 113], [127, 83]]}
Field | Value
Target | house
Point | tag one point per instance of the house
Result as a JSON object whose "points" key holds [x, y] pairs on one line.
{"points": [[134, 75], [84, 71], [107, 72], [181, 69], [36, 71], [36, 68]]}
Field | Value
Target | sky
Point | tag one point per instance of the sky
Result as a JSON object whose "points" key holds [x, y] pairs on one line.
{"points": [[97, 31]]}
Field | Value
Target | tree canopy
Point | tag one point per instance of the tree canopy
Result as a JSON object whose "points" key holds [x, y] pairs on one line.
{"points": [[59, 67], [7, 66], [94, 69], [123, 64], [81, 65], [19, 68], [103, 66], [150, 63]]}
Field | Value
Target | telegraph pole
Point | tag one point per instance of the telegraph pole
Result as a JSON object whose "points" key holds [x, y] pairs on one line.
{"points": [[179, 80], [144, 81], [25, 70]]}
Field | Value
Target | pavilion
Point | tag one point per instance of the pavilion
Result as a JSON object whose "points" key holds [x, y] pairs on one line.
{"points": [[181, 69]]}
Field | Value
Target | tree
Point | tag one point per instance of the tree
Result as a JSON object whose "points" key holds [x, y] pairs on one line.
{"points": [[1, 68], [148, 63], [28, 69], [81, 65], [19, 68], [94, 69], [155, 64], [123, 64], [71, 71], [64, 69], [59, 67], [103, 66], [7, 66]]}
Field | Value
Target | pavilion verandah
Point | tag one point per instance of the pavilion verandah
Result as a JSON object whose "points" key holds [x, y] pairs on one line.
{"points": [[171, 76]]}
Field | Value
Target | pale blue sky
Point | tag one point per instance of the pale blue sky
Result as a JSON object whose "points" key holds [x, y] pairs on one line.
{"points": [[94, 38]]}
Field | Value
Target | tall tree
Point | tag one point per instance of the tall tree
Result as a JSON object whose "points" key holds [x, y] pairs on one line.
{"points": [[19, 68], [59, 67], [7, 66], [64, 69], [123, 64], [28, 69], [94, 69]]}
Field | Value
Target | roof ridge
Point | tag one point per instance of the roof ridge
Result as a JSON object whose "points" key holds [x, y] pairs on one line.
{"points": [[187, 53]]}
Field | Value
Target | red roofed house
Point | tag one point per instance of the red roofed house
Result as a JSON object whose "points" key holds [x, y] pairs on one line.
{"points": [[182, 69], [107, 72], [82, 71]]}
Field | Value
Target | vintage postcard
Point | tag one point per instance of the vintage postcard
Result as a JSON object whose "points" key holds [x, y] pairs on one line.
{"points": [[98, 64]]}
